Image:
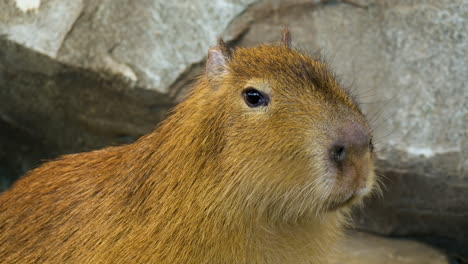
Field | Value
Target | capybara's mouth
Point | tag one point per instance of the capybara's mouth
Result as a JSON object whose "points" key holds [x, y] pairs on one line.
{"points": [[349, 199], [335, 205]]}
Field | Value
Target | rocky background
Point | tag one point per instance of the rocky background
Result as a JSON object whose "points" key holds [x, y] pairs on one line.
{"points": [[77, 75]]}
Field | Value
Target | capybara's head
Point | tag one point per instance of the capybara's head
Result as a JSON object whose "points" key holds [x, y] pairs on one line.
{"points": [[295, 143]]}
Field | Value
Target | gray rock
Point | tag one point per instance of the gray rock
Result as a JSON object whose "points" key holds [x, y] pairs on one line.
{"points": [[149, 42], [37, 28]]}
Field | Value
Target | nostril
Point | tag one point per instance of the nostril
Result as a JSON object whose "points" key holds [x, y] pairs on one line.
{"points": [[353, 137], [338, 153]]}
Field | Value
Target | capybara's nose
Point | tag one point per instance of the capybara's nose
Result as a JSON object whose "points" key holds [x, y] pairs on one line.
{"points": [[352, 139]]}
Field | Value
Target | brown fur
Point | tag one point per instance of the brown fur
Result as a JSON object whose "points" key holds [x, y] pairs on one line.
{"points": [[216, 182]]}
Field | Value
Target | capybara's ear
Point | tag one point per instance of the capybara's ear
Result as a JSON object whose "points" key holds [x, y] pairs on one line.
{"points": [[286, 37], [217, 60]]}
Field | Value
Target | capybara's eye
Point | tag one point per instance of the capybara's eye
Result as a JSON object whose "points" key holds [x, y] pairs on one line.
{"points": [[254, 98]]}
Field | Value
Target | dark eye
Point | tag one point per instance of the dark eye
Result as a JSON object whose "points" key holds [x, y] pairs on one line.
{"points": [[254, 98], [371, 145]]}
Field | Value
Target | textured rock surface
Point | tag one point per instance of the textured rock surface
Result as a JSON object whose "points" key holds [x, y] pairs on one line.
{"points": [[362, 248], [109, 70], [36, 27], [149, 42]]}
